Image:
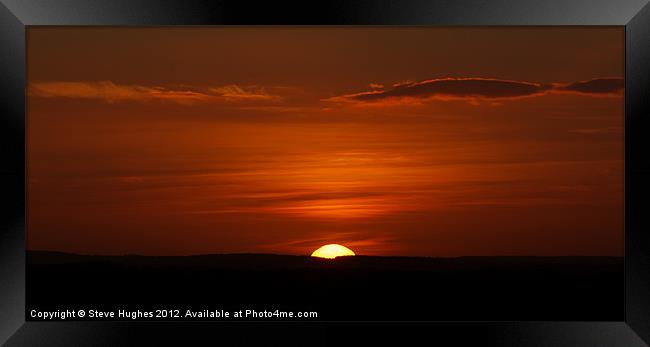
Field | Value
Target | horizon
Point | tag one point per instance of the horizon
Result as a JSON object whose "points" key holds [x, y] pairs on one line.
{"points": [[323, 259]]}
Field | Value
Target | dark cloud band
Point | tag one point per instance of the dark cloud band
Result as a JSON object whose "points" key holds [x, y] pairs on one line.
{"points": [[596, 86], [466, 87], [482, 88]]}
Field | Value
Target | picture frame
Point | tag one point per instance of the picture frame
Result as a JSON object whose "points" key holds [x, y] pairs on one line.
{"points": [[17, 15]]}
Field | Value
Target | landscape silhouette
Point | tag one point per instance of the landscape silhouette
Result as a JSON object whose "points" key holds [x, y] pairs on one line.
{"points": [[345, 288]]}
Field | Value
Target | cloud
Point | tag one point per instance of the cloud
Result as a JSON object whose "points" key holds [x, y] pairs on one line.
{"points": [[110, 92], [235, 92], [588, 131], [474, 88], [403, 83], [317, 204], [452, 88], [597, 86]]}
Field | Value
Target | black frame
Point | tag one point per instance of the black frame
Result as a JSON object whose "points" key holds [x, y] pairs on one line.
{"points": [[634, 15]]}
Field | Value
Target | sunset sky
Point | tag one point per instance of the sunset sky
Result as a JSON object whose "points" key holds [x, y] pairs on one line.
{"points": [[390, 141]]}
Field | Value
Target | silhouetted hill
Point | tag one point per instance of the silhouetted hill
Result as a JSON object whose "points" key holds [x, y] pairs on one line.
{"points": [[350, 288], [262, 260]]}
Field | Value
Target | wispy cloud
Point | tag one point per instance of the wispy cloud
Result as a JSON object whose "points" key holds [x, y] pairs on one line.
{"points": [[607, 130], [597, 86], [473, 88], [451, 88], [110, 92], [235, 92], [470, 88]]}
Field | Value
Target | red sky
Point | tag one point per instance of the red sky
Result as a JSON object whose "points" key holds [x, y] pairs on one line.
{"points": [[390, 141]]}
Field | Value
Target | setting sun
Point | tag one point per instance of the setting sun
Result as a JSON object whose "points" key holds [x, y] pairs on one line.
{"points": [[332, 251]]}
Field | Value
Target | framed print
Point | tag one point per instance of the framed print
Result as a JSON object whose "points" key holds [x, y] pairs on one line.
{"points": [[189, 171]]}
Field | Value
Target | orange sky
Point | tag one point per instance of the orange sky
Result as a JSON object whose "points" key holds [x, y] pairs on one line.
{"points": [[391, 141]]}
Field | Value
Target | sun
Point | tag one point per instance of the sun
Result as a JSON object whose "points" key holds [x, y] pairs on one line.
{"points": [[332, 251]]}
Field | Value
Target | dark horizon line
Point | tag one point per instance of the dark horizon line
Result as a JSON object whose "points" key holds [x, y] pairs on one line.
{"points": [[309, 256]]}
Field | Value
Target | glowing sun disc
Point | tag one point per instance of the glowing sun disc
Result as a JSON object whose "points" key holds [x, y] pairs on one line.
{"points": [[332, 251]]}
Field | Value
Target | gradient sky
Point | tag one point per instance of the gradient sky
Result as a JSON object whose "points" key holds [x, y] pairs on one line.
{"points": [[390, 141]]}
